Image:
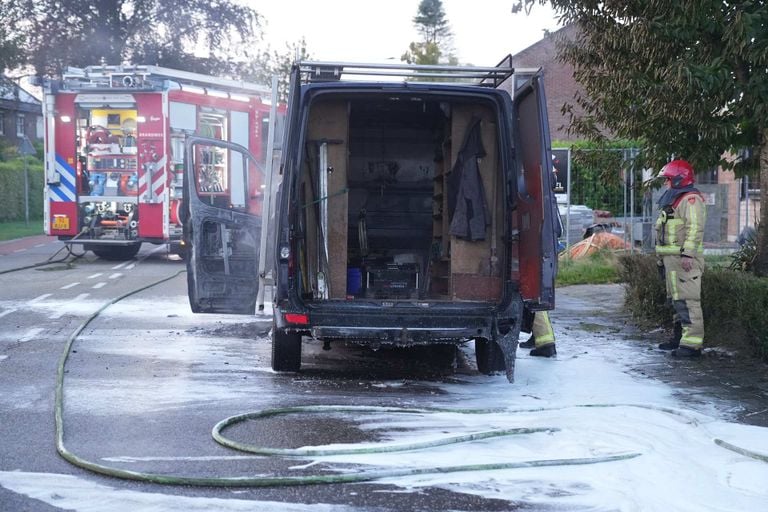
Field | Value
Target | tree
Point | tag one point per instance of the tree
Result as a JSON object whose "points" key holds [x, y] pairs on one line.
{"points": [[688, 78], [11, 42], [431, 23], [279, 63], [195, 35]]}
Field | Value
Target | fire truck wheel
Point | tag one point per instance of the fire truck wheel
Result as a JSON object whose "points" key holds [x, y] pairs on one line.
{"points": [[286, 350], [116, 252], [488, 356]]}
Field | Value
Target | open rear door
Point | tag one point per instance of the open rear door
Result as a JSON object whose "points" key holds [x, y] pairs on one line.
{"points": [[536, 206], [222, 183]]}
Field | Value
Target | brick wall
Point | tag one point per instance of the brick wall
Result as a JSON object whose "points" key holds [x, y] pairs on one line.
{"points": [[559, 84]]}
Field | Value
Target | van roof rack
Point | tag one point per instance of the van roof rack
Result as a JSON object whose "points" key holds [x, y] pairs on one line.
{"points": [[318, 71]]}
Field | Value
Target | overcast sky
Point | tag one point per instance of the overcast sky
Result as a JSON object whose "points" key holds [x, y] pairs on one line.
{"points": [[372, 31]]}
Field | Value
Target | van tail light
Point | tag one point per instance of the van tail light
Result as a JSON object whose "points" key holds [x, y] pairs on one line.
{"points": [[297, 318]]}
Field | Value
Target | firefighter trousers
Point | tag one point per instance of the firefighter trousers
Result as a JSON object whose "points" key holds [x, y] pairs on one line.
{"points": [[542, 329], [684, 292]]}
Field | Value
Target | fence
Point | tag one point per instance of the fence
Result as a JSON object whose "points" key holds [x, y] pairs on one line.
{"points": [[608, 189]]}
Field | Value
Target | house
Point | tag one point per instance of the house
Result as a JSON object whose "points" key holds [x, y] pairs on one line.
{"points": [[21, 114]]}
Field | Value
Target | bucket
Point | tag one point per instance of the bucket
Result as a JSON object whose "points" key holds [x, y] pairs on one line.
{"points": [[354, 280]]}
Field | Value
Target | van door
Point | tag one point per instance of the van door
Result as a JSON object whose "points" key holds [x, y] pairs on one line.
{"points": [[536, 206], [221, 236]]}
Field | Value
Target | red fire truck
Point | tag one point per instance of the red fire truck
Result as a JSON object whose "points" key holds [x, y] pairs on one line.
{"points": [[114, 145]]}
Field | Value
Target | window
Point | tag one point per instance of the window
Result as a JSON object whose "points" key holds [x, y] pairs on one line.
{"points": [[20, 125]]}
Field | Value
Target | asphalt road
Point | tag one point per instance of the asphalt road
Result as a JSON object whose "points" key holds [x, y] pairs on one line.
{"points": [[146, 381]]}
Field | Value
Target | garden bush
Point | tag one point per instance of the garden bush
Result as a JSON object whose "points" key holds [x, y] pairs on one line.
{"points": [[12, 189], [734, 303]]}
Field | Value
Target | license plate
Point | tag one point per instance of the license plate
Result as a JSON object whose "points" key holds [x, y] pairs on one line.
{"points": [[60, 222]]}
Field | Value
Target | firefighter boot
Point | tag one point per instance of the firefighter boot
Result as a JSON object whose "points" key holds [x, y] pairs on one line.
{"points": [[686, 352], [530, 343], [677, 333], [547, 350]]}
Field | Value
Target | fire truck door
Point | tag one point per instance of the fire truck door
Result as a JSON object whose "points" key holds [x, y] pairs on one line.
{"points": [[536, 206], [221, 236]]}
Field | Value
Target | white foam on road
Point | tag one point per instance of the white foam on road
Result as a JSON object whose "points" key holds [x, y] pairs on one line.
{"points": [[76, 494]]}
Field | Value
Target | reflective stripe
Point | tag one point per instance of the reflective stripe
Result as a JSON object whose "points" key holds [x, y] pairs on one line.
{"points": [[693, 228], [667, 249], [64, 190], [549, 334], [673, 282]]}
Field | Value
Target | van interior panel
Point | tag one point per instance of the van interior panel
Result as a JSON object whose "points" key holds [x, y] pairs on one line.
{"points": [[383, 210]]}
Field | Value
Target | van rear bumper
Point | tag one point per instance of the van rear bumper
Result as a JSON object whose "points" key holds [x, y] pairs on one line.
{"points": [[401, 328]]}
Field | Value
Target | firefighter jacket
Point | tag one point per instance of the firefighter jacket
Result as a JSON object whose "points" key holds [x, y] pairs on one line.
{"points": [[680, 226]]}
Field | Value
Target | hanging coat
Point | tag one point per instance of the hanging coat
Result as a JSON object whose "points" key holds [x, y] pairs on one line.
{"points": [[466, 202]]}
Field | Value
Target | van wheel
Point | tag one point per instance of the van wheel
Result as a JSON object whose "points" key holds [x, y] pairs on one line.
{"points": [[286, 350], [489, 356], [116, 252]]}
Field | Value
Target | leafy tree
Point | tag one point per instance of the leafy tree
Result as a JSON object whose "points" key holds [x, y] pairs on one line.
{"points": [[11, 43], [436, 43], [172, 33], [688, 78], [278, 63], [431, 22]]}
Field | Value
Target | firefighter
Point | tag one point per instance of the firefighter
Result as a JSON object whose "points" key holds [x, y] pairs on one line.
{"points": [[542, 339], [679, 247]]}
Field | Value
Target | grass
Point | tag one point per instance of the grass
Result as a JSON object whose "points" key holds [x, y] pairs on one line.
{"points": [[597, 268], [19, 229]]}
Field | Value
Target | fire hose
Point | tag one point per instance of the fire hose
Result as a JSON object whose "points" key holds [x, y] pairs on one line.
{"points": [[51, 260], [361, 476]]}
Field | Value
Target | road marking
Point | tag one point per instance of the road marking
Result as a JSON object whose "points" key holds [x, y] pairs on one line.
{"points": [[40, 245], [115, 275], [61, 312], [68, 286], [120, 265], [20, 250], [99, 285], [94, 276], [130, 267], [7, 312], [41, 297], [31, 334]]}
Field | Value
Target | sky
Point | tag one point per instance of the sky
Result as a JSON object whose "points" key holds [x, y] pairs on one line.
{"points": [[366, 31], [591, 398]]}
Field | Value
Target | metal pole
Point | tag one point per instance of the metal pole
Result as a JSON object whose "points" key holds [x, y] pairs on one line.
{"points": [[632, 198], [26, 192], [568, 201], [746, 195], [266, 225]]}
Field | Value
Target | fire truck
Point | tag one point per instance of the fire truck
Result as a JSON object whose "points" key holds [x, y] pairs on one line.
{"points": [[114, 150]]}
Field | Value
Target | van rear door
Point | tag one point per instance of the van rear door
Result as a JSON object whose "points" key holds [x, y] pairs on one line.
{"points": [[222, 183], [536, 207]]}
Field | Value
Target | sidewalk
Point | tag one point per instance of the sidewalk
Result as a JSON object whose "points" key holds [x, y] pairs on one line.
{"points": [[22, 244]]}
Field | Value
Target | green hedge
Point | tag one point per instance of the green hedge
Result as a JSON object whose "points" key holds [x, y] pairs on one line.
{"points": [[734, 303], [12, 189]]}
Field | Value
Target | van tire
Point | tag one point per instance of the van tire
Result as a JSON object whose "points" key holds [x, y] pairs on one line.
{"points": [[116, 252], [489, 357], [286, 350]]}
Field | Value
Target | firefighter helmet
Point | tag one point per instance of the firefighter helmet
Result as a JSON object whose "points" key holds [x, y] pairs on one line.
{"points": [[679, 172]]}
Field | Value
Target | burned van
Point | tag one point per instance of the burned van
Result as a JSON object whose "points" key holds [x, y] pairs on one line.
{"points": [[415, 208]]}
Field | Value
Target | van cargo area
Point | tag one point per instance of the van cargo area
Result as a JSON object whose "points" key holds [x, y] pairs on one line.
{"points": [[384, 212]]}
